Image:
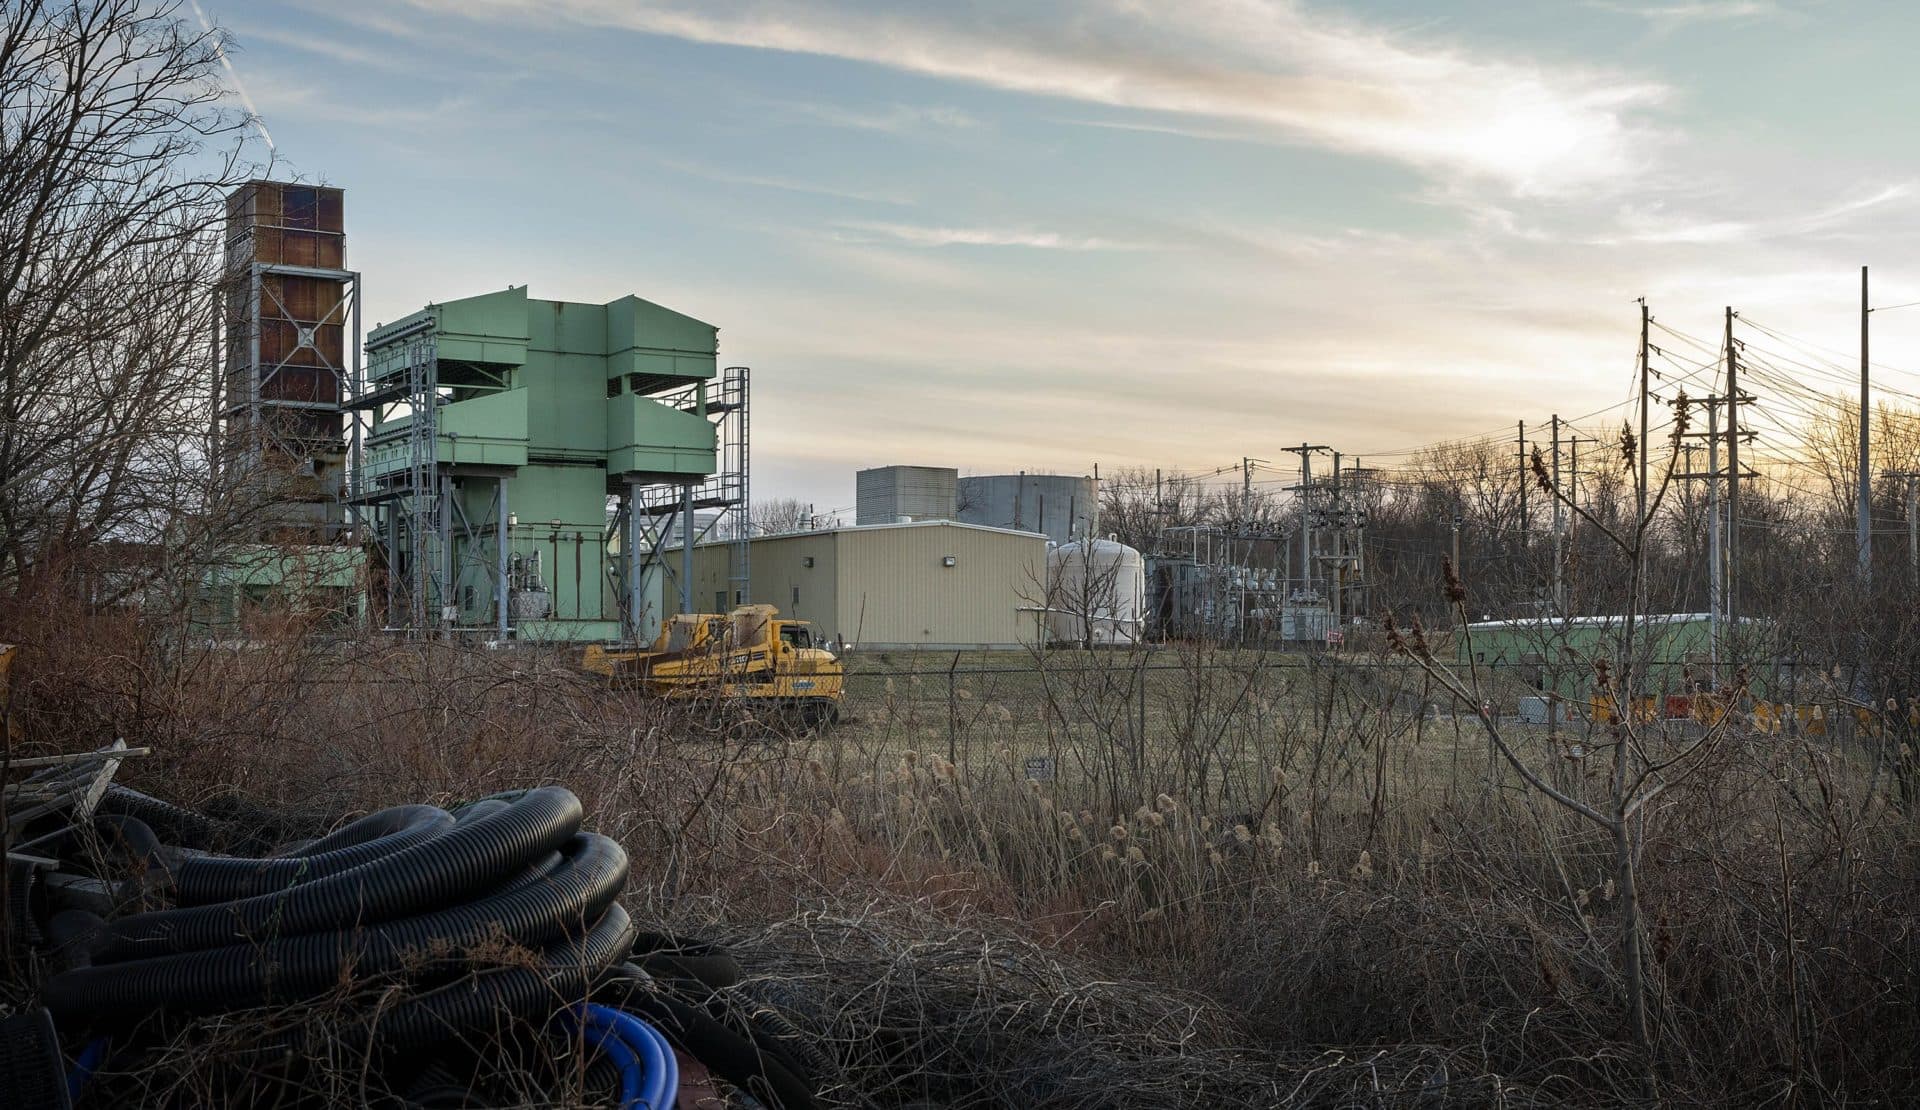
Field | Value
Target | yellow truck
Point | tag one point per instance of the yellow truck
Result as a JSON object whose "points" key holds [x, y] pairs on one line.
{"points": [[750, 658]]}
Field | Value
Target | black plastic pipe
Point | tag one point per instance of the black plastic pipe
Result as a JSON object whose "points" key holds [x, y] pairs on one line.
{"points": [[449, 868], [204, 880], [299, 967]]}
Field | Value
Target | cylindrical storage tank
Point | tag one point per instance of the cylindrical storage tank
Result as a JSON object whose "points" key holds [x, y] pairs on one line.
{"points": [[1064, 507], [1096, 593]]}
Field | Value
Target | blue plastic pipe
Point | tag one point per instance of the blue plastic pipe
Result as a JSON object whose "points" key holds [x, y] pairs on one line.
{"points": [[606, 1037], [85, 1066], [649, 1073], [657, 1061]]}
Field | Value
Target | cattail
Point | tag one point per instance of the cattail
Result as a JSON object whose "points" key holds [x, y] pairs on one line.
{"points": [[1107, 854], [1606, 890], [910, 757], [1213, 857], [1156, 819], [1363, 869], [1166, 803], [1074, 833], [1313, 869], [815, 771], [1242, 834], [1135, 855], [1206, 824], [1118, 832]]}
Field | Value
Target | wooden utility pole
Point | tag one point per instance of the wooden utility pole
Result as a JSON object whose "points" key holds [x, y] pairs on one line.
{"points": [[1864, 537], [1733, 477], [1559, 595], [1640, 495], [1521, 440], [1304, 491], [1715, 586]]}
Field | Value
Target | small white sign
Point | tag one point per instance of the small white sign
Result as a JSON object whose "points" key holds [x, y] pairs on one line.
{"points": [[1335, 636], [1039, 768]]}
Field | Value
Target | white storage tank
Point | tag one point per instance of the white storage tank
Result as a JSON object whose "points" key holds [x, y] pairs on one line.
{"points": [[1096, 593]]}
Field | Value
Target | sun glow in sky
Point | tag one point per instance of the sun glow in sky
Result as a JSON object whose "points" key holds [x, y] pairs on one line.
{"points": [[1011, 234]]}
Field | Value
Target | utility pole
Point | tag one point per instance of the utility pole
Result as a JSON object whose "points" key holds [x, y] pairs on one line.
{"points": [[1521, 440], [1337, 579], [1715, 586], [1246, 490], [1865, 509], [1559, 596], [1732, 586], [1640, 497], [1304, 491]]}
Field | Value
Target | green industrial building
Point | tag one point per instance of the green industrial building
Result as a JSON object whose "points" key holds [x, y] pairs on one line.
{"points": [[526, 460], [1556, 654]]}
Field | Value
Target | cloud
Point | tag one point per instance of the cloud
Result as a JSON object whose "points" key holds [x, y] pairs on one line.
{"points": [[761, 181], [918, 236], [1530, 127], [1666, 17], [1657, 226], [897, 119]]}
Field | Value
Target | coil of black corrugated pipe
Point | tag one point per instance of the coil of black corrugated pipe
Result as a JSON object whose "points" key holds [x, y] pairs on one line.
{"points": [[177, 824], [203, 880], [298, 967], [516, 872], [457, 864], [565, 970]]}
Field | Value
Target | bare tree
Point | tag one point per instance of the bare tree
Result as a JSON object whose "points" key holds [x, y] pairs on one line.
{"points": [[1643, 759], [116, 152], [783, 514]]}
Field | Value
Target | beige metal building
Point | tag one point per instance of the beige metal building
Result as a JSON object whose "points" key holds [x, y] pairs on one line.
{"points": [[924, 585]]}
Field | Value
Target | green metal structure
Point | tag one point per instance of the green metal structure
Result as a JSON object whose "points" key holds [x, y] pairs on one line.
{"points": [[322, 580], [517, 449], [1673, 650]]}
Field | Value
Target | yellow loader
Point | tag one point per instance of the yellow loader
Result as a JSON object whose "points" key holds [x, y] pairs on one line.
{"points": [[750, 658]]}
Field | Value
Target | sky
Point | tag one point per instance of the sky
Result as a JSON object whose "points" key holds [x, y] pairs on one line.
{"points": [[1017, 235]]}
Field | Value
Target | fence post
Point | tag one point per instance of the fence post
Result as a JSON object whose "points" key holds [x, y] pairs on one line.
{"points": [[953, 712]]}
